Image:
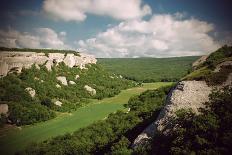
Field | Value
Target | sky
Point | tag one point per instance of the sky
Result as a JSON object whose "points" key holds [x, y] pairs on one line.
{"points": [[118, 28]]}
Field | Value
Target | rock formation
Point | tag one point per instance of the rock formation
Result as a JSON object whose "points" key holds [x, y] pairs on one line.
{"points": [[63, 80], [90, 90], [186, 95], [72, 82], [15, 61]]}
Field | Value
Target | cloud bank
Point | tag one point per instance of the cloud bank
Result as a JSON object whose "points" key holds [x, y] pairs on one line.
{"points": [[41, 38], [77, 10], [162, 36]]}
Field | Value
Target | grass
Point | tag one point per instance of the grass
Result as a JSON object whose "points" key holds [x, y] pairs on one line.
{"points": [[17, 139], [149, 69]]}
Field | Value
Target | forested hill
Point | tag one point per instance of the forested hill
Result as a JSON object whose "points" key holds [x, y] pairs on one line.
{"points": [[149, 69]]}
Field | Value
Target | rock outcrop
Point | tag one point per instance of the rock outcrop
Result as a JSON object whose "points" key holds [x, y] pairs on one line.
{"points": [[90, 90], [199, 61], [63, 80], [186, 95], [15, 61]]}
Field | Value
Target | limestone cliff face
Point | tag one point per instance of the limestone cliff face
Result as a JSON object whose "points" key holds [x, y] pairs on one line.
{"points": [[19, 60], [185, 95]]}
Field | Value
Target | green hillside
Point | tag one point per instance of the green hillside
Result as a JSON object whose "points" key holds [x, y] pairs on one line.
{"points": [[149, 69], [24, 109]]}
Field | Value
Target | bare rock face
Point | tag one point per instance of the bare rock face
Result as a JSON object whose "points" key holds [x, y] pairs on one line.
{"points": [[200, 61], [4, 109], [225, 63], [63, 80], [15, 61], [49, 65], [90, 90], [69, 60], [186, 95], [58, 103], [30, 91]]}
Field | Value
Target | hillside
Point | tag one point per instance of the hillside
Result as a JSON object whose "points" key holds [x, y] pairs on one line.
{"points": [[36, 85], [149, 69]]}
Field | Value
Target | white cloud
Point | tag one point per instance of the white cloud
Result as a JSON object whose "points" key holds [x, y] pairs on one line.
{"points": [[41, 38], [161, 36], [77, 10]]}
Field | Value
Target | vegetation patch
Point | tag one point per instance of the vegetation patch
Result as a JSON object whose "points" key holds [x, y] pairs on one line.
{"points": [[149, 69], [117, 131]]}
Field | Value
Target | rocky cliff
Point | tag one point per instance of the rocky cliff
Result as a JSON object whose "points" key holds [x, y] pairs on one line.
{"points": [[211, 72], [15, 61], [185, 95]]}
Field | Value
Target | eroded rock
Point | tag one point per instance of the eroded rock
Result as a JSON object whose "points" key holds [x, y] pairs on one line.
{"points": [[15, 61]]}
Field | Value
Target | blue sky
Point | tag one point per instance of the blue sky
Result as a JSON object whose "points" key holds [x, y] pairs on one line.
{"points": [[118, 28]]}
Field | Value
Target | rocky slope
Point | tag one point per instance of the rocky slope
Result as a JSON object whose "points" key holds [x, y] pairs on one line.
{"points": [[185, 95], [15, 61], [191, 94]]}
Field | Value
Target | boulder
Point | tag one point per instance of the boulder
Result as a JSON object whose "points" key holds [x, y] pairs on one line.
{"points": [[90, 90], [58, 103], [72, 82], [4, 109], [62, 79], [77, 77], [30, 91]]}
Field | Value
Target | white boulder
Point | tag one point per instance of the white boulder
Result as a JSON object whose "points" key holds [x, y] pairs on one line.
{"points": [[30, 91], [63, 80], [90, 90], [72, 82], [77, 77], [58, 103]]}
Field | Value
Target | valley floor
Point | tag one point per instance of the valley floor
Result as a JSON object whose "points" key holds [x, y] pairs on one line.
{"points": [[15, 139]]}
